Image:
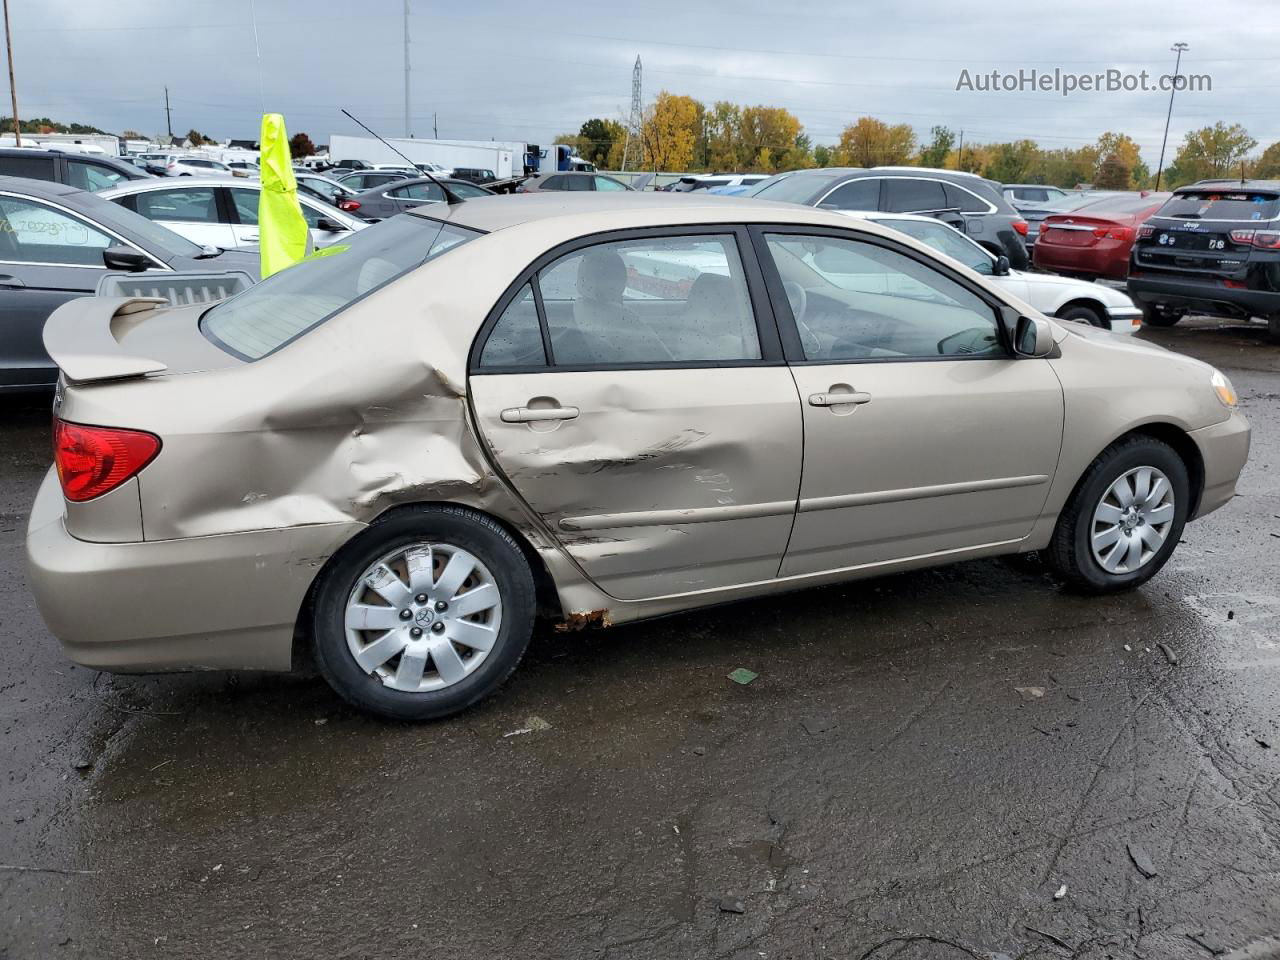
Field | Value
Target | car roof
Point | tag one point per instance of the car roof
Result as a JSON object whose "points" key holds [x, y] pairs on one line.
{"points": [[39, 188], [889, 215], [622, 209], [1226, 184], [170, 183]]}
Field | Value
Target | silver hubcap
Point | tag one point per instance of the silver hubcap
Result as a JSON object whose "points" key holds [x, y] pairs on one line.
{"points": [[1132, 520], [423, 617]]}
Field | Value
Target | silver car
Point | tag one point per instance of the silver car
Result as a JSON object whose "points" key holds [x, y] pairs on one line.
{"points": [[224, 214], [594, 409]]}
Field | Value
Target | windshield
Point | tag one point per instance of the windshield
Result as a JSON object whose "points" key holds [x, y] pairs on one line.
{"points": [[159, 240], [288, 304], [946, 240], [1221, 205], [791, 188]]}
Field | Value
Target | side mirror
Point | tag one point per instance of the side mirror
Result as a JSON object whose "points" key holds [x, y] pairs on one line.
{"points": [[1001, 268], [1033, 337], [328, 226], [125, 258]]}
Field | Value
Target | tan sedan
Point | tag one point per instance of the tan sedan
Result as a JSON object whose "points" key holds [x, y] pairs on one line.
{"points": [[395, 456]]}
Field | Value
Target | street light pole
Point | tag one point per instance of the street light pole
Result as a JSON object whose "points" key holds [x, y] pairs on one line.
{"points": [[8, 44], [408, 125], [1177, 48]]}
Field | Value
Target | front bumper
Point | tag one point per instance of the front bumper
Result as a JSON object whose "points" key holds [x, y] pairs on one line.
{"points": [[1124, 319], [229, 601], [1224, 450], [1202, 296]]}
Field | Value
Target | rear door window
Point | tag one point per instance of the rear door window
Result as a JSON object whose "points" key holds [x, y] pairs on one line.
{"points": [[92, 176], [855, 195], [907, 195], [193, 205], [36, 168], [579, 183], [963, 200]]}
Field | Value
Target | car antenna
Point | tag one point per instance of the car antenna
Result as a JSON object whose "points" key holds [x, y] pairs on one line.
{"points": [[449, 195]]}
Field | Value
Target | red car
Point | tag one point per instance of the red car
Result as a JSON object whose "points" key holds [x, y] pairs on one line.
{"points": [[1094, 240]]}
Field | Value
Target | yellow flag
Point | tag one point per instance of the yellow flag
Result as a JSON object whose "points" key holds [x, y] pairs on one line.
{"points": [[283, 235]]}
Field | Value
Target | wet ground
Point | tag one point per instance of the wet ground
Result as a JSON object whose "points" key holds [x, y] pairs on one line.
{"points": [[882, 789]]}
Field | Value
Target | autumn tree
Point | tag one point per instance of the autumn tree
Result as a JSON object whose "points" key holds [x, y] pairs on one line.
{"points": [[767, 136], [670, 132], [1210, 152], [596, 140], [723, 132], [870, 142], [1267, 166], [935, 154], [300, 146], [1117, 163], [822, 155], [196, 138], [1011, 162]]}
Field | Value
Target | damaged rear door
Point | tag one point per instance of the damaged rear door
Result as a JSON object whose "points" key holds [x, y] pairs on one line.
{"points": [[632, 390]]}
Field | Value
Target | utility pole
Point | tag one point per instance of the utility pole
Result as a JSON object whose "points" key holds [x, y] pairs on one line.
{"points": [[960, 159], [1177, 64], [408, 128], [168, 115], [435, 129], [8, 43], [635, 121]]}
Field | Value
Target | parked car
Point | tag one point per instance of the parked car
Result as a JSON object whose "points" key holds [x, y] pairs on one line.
{"points": [[476, 175], [964, 200], [1035, 193], [78, 170], [1095, 239], [347, 166], [367, 180], [707, 181], [390, 199], [181, 166], [1063, 297], [56, 243], [539, 182], [1214, 247], [472, 414], [222, 213], [323, 188], [243, 168], [1035, 213]]}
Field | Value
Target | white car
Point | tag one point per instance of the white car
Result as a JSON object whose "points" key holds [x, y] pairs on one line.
{"points": [[1062, 297], [708, 181], [243, 168], [216, 212], [181, 166]]}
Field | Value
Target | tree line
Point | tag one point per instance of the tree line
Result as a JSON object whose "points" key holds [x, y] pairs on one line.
{"points": [[679, 133]]}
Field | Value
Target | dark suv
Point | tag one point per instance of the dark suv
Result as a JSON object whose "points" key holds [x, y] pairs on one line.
{"points": [[1214, 248], [80, 170], [973, 205]]}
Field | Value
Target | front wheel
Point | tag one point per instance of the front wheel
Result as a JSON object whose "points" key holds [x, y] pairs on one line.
{"points": [[1085, 314], [1124, 519], [424, 614]]}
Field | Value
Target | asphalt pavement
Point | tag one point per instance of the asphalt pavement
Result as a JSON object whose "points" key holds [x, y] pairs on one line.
{"points": [[963, 762]]}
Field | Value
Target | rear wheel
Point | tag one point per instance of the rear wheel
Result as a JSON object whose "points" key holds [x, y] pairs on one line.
{"points": [[1273, 328], [426, 613], [1153, 316], [1124, 519], [1085, 314]]}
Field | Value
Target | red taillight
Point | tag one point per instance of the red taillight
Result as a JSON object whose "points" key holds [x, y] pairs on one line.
{"points": [[1100, 232], [1020, 226], [349, 205], [1242, 236], [92, 461], [1145, 231], [1120, 233], [1266, 239]]}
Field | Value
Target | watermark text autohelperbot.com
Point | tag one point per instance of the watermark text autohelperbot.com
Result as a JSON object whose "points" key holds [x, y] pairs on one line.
{"points": [[1065, 83]]}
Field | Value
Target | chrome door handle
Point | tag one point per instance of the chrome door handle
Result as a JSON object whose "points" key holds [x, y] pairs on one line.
{"points": [[538, 414], [837, 399], [250, 238]]}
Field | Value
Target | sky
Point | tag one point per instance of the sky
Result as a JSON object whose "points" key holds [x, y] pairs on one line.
{"points": [[496, 69]]}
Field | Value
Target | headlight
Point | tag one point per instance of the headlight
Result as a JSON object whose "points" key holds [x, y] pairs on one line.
{"points": [[1223, 388]]}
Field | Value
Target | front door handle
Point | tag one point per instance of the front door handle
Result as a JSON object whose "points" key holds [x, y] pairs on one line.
{"points": [[538, 414], [838, 399], [13, 283], [249, 238]]}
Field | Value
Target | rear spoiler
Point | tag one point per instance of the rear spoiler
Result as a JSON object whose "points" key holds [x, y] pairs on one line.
{"points": [[79, 337]]}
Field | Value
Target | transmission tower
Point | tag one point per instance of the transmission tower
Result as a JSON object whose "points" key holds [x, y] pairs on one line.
{"points": [[631, 148]]}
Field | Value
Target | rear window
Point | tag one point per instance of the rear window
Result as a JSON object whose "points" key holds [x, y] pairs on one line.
{"points": [[794, 188], [1221, 205], [288, 304]]}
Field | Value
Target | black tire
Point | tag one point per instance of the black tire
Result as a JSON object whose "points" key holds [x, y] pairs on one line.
{"points": [[1273, 328], [1089, 315], [1070, 552], [1153, 316], [471, 531]]}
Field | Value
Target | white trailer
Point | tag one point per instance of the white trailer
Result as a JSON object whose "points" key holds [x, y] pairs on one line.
{"points": [[504, 158]]}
